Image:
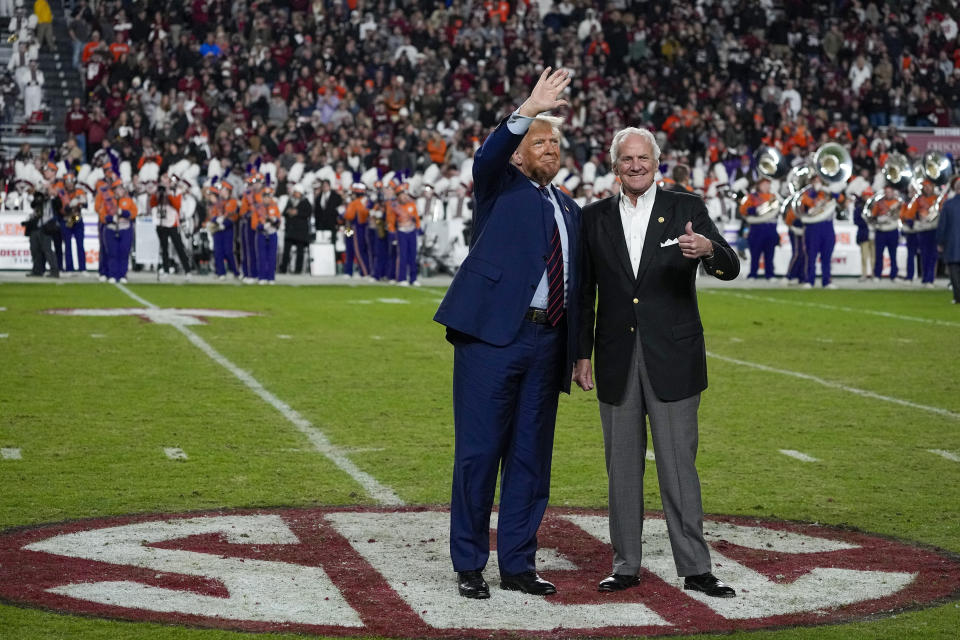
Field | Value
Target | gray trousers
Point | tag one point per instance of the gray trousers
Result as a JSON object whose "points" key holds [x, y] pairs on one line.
{"points": [[673, 426]]}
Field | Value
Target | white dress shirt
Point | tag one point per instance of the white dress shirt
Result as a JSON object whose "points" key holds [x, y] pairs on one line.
{"points": [[635, 220]]}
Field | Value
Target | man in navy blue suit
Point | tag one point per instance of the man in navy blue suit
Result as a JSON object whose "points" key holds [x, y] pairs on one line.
{"points": [[511, 315]]}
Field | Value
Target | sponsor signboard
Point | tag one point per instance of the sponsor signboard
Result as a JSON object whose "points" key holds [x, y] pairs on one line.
{"points": [[15, 246]]}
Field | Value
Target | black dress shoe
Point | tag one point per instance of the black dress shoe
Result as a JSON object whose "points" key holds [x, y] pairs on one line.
{"points": [[618, 582], [472, 585], [528, 582], [707, 583]]}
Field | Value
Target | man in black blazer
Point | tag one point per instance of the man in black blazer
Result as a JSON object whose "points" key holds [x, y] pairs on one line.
{"points": [[639, 259], [326, 207]]}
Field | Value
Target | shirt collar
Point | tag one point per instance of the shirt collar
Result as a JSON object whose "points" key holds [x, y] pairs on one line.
{"points": [[644, 201]]}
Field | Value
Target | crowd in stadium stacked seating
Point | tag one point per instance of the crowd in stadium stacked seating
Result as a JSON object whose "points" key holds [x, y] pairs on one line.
{"points": [[399, 86]]}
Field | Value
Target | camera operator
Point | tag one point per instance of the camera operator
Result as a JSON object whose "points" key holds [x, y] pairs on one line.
{"points": [[168, 225], [42, 228]]}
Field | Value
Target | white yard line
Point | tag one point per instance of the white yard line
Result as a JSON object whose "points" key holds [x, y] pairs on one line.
{"points": [[832, 307], [11, 453], [840, 387], [945, 454], [799, 455], [4, 335], [175, 453], [379, 492]]}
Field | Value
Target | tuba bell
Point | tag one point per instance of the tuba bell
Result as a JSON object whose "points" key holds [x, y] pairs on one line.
{"points": [[771, 165], [833, 163], [877, 212], [897, 171], [938, 169]]}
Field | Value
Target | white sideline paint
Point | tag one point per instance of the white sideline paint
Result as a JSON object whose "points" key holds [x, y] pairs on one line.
{"points": [[798, 455], [945, 454], [393, 301], [175, 453], [832, 307], [836, 385], [11, 453], [379, 492]]}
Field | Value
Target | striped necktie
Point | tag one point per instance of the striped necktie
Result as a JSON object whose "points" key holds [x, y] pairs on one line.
{"points": [[554, 269]]}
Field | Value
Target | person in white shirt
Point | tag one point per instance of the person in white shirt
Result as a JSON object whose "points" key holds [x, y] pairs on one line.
{"points": [[860, 72]]}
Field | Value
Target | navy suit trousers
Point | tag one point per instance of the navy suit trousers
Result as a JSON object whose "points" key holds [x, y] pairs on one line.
{"points": [[505, 408]]}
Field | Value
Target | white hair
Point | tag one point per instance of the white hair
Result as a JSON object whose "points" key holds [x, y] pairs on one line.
{"points": [[633, 131]]}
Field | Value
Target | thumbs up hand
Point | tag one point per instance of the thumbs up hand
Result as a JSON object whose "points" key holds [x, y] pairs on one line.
{"points": [[693, 245]]}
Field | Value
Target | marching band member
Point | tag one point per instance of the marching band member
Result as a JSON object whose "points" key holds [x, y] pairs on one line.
{"points": [[762, 237], [922, 237], [819, 236], [250, 203], [407, 227], [355, 221], [887, 237], [222, 216], [390, 220], [72, 201], [797, 270], [168, 225], [864, 236], [379, 238], [120, 212], [100, 189], [266, 222]]}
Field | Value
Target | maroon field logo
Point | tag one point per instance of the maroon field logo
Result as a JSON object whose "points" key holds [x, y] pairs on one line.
{"points": [[360, 572]]}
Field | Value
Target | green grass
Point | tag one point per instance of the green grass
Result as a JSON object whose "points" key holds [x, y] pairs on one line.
{"points": [[93, 415]]}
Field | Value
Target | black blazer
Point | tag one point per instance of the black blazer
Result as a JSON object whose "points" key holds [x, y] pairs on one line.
{"points": [[325, 218], [659, 301]]}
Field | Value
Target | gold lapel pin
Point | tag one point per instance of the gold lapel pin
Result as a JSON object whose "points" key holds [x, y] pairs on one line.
{"points": [[660, 219]]}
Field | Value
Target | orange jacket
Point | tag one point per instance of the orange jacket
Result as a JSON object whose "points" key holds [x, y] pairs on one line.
{"points": [[919, 210], [357, 210], [754, 200], [405, 217]]}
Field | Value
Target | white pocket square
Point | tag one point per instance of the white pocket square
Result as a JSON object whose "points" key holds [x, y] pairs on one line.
{"points": [[670, 242]]}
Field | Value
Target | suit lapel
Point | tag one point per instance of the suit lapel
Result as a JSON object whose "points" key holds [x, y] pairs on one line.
{"points": [[659, 220], [613, 227]]}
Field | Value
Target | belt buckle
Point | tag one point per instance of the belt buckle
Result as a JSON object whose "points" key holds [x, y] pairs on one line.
{"points": [[537, 316]]}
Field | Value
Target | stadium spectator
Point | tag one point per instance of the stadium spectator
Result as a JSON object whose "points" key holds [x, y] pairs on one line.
{"points": [[341, 85]]}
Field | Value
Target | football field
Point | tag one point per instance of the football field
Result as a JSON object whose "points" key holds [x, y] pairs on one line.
{"points": [[268, 407]]}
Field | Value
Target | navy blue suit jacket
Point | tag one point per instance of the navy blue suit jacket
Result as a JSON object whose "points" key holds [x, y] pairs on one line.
{"points": [[492, 289]]}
